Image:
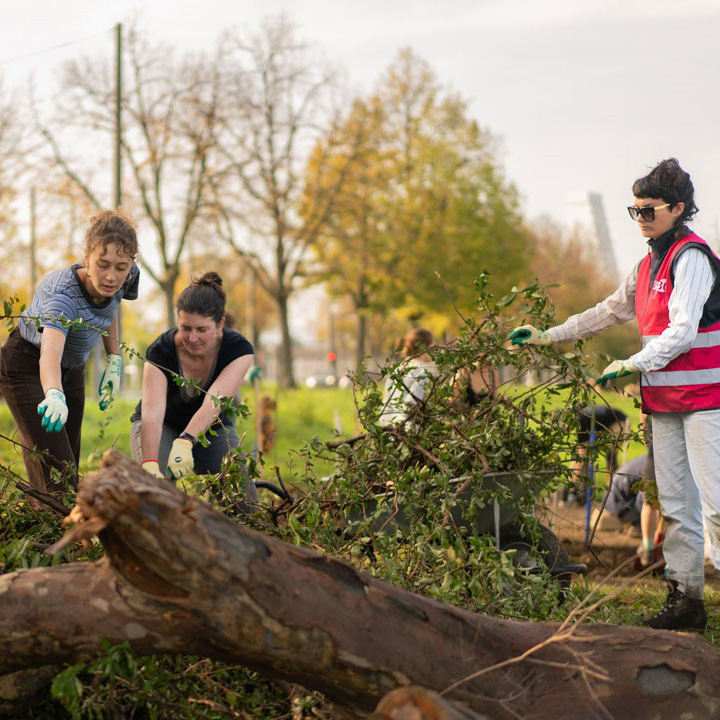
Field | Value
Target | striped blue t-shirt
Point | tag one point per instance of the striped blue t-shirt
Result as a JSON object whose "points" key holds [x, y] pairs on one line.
{"points": [[61, 296]]}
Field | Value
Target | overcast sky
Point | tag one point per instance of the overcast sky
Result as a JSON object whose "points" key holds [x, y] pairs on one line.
{"points": [[583, 95]]}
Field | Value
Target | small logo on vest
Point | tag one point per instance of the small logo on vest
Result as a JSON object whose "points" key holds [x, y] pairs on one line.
{"points": [[659, 285]]}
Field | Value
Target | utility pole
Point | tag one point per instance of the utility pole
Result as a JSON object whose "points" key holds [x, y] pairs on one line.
{"points": [[117, 178], [117, 174], [332, 352], [33, 244], [250, 311], [118, 116]]}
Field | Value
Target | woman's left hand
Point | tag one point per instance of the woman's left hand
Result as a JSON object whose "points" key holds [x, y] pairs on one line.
{"points": [[616, 369], [110, 381]]}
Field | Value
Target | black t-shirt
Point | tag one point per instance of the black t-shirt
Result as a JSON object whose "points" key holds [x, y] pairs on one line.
{"points": [[180, 406]]}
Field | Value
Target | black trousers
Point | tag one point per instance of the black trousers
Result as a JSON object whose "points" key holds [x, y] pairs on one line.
{"points": [[43, 452]]}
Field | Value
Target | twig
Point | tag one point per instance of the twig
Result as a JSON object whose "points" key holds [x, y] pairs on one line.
{"points": [[432, 458], [43, 497], [450, 297], [332, 444], [40, 496]]}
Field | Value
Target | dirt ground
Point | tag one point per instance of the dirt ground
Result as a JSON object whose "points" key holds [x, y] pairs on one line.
{"points": [[610, 546]]}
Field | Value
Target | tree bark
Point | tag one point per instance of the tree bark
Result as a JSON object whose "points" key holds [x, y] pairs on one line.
{"points": [[286, 377], [179, 577]]}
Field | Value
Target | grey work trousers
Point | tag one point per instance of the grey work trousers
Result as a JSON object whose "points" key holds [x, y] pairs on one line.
{"points": [[686, 448]]}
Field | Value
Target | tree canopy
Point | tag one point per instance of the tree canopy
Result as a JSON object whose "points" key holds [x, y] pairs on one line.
{"points": [[424, 206]]}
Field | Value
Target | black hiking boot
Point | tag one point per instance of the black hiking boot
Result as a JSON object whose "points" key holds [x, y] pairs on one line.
{"points": [[680, 612]]}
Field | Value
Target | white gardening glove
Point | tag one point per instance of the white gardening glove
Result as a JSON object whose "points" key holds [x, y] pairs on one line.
{"points": [[616, 369], [54, 410], [152, 467], [180, 460], [529, 335], [110, 381]]}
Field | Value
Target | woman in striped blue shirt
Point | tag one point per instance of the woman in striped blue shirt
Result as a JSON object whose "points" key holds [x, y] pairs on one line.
{"points": [[42, 366]]}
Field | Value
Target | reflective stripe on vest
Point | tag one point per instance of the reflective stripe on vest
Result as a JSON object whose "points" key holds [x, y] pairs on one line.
{"points": [[704, 339], [663, 378], [692, 380]]}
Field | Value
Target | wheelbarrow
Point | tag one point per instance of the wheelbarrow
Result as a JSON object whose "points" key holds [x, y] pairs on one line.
{"points": [[499, 518]]}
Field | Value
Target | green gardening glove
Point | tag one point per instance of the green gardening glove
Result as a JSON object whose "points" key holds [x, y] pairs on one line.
{"points": [[254, 374], [530, 335], [54, 410], [616, 369], [110, 381]]}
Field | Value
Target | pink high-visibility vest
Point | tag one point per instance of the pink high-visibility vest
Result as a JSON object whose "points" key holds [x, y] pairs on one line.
{"points": [[691, 381]]}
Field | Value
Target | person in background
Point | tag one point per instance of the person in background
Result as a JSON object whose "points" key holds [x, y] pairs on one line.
{"points": [[624, 499], [599, 424], [674, 294], [169, 419], [42, 368], [474, 384], [626, 503], [418, 372]]}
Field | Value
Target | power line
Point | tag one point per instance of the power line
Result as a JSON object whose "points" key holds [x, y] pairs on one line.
{"points": [[51, 48]]}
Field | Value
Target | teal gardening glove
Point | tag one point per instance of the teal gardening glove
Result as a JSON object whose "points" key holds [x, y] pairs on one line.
{"points": [[254, 374], [530, 335], [616, 369], [54, 410], [110, 381]]}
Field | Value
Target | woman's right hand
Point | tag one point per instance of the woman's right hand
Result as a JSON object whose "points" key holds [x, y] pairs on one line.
{"points": [[152, 467], [54, 410]]}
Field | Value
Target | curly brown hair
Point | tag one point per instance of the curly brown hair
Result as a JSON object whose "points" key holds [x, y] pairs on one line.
{"points": [[112, 226]]}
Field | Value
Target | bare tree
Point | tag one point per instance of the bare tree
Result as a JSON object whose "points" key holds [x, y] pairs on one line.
{"points": [[279, 103], [12, 165], [169, 107]]}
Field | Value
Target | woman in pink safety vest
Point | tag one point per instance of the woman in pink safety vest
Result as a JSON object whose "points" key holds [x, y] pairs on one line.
{"points": [[674, 293]]}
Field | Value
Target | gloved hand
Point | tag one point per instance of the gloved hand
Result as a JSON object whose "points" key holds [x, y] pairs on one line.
{"points": [[254, 374], [529, 335], [110, 381], [180, 460], [152, 467], [54, 410], [616, 369]]}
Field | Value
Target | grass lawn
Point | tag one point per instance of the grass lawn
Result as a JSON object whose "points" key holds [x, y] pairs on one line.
{"points": [[300, 415]]}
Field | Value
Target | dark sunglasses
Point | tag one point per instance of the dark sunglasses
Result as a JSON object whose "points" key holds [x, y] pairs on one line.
{"points": [[646, 213]]}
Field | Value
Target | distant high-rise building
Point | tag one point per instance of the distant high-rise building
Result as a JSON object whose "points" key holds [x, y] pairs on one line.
{"points": [[586, 215]]}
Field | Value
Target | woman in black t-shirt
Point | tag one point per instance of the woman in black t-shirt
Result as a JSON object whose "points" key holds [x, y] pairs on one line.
{"points": [[171, 416]]}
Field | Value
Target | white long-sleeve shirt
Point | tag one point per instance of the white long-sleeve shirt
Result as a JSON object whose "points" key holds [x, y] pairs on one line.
{"points": [[694, 277], [418, 377]]}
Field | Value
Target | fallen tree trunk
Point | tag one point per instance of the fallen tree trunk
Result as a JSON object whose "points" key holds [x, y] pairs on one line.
{"points": [[179, 577]]}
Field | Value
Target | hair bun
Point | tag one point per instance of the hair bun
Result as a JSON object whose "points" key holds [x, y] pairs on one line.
{"points": [[210, 278]]}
